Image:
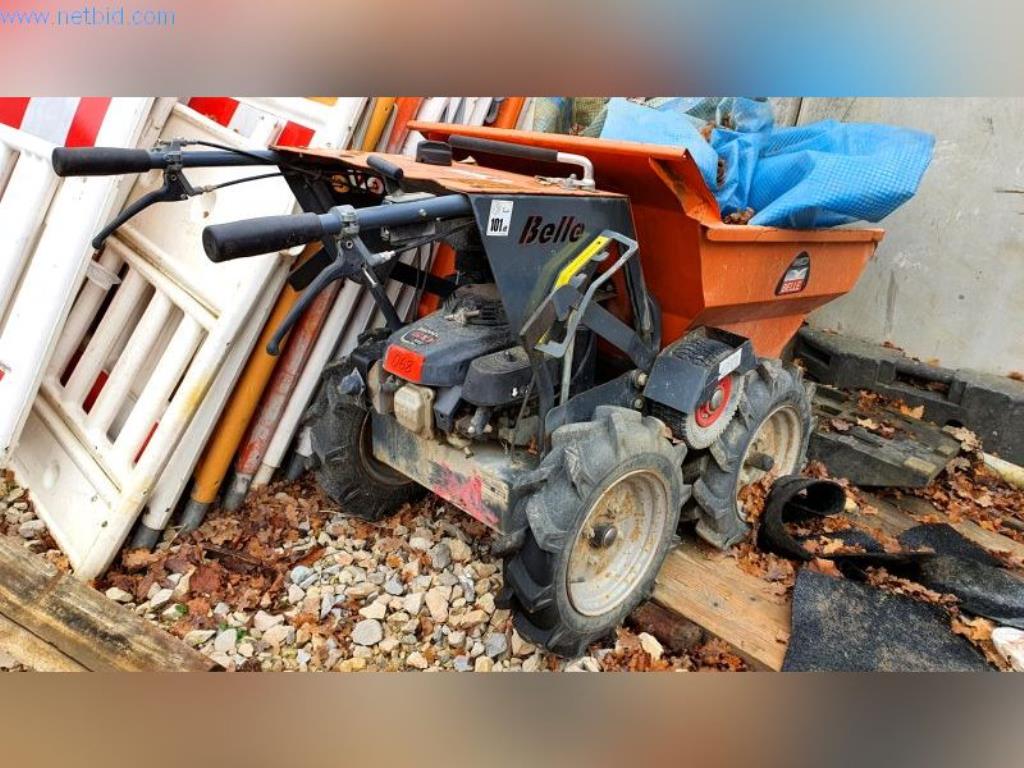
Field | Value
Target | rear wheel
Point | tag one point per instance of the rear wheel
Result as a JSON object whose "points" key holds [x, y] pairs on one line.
{"points": [[599, 526], [343, 454], [768, 435]]}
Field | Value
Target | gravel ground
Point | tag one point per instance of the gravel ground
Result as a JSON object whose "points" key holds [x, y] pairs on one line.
{"points": [[289, 583]]}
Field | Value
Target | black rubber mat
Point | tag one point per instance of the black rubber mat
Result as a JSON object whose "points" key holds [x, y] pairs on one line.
{"points": [[943, 539], [964, 569], [795, 499], [843, 626]]}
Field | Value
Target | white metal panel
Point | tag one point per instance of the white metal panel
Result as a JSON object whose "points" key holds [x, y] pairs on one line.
{"points": [[168, 291], [171, 483]]}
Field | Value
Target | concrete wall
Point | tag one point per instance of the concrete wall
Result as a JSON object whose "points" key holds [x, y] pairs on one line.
{"points": [[947, 283]]}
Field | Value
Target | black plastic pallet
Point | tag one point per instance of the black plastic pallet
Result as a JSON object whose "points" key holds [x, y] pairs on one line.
{"points": [[910, 457], [991, 406]]}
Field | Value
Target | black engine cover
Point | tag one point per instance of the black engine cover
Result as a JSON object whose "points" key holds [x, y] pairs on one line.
{"points": [[469, 326], [498, 378]]}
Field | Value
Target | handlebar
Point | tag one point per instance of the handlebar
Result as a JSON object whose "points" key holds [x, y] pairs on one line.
{"points": [[268, 234], [112, 161]]}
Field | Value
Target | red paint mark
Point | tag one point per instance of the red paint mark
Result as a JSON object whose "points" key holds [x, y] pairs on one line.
{"points": [[12, 110], [146, 441], [220, 109], [85, 125], [465, 493], [295, 135]]}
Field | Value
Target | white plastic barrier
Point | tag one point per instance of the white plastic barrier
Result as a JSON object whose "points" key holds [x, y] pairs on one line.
{"points": [[27, 184], [331, 126], [133, 370], [51, 251]]}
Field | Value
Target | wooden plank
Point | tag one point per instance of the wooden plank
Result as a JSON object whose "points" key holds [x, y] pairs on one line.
{"points": [[709, 588], [36, 654], [81, 623]]}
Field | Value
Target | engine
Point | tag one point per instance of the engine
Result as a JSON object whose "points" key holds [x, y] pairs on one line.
{"points": [[457, 373]]}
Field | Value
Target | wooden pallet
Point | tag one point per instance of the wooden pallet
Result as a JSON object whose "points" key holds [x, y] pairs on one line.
{"points": [[711, 590], [50, 621]]}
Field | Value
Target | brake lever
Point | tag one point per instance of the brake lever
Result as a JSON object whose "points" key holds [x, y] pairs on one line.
{"points": [[355, 259], [175, 187]]}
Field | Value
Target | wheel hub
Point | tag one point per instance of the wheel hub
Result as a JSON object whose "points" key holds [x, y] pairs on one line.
{"points": [[617, 541], [710, 411], [775, 447], [604, 536]]}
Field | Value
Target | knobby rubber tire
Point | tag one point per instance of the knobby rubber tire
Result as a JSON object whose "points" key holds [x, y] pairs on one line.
{"points": [[767, 387], [586, 459], [343, 458]]}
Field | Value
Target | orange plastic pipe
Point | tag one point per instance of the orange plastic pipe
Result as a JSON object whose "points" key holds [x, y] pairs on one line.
{"points": [[406, 108], [276, 395], [213, 464], [508, 112], [379, 114]]}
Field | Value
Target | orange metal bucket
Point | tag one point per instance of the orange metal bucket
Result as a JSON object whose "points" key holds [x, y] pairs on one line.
{"points": [[701, 271]]}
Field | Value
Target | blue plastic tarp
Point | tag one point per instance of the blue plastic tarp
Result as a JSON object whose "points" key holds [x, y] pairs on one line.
{"points": [[818, 175]]}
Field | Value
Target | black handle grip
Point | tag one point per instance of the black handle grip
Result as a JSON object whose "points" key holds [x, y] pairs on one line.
{"points": [[506, 148], [251, 237], [268, 234], [102, 161], [386, 167]]}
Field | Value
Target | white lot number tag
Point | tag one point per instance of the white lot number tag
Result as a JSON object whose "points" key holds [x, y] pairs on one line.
{"points": [[500, 220]]}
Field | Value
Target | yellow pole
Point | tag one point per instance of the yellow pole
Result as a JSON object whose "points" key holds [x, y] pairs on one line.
{"points": [[220, 450], [382, 106]]}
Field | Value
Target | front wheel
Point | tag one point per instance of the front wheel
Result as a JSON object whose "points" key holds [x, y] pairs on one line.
{"points": [[599, 527]]}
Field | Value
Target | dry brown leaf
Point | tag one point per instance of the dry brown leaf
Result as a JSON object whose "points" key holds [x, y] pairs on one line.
{"points": [[914, 413], [137, 559], [823, 566]]}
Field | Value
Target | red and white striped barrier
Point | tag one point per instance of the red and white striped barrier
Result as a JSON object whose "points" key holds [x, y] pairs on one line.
{"points": [[301, 122], [62, 121], [285, 121]]}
